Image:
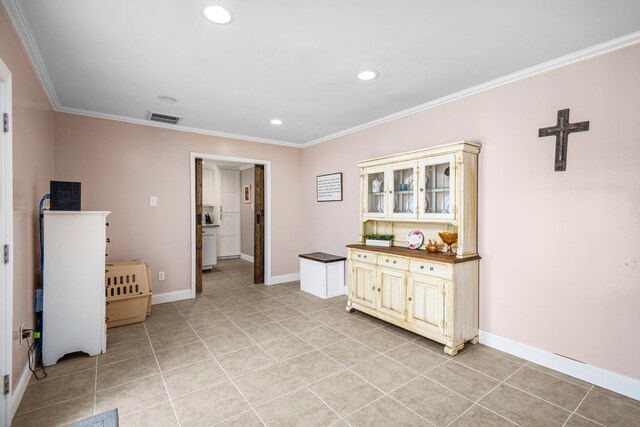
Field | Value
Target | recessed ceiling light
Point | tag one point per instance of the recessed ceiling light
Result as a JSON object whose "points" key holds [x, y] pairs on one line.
{"points": [[218, 15], [275, 121], [367, 75], [169, 99]]}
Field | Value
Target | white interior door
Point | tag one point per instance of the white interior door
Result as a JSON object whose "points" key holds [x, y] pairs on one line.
{"points": [[229, 233], [6, 226]]}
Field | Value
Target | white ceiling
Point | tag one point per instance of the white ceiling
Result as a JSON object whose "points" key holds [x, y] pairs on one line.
{"points": [[295, 59]]}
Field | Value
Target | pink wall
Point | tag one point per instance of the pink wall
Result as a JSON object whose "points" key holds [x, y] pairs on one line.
{"points": [[120, 165], [32, 152], [553, 273], [561, 250]]}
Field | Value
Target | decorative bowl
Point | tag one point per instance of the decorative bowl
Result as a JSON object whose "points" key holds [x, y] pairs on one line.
{"points": [[449, 239]]}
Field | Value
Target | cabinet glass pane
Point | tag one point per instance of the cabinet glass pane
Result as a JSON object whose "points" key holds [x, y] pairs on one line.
{"points": [[437, 188], [403, 191], [375, 192]]}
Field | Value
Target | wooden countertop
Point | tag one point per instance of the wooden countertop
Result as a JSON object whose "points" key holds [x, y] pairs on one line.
{"points": [[414, 253]]}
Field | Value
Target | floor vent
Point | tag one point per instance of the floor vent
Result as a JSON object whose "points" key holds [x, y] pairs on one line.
{"points": [[164, 118]]}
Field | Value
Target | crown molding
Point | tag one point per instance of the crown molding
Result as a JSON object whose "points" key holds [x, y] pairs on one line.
{"points": [[17, 16], [581, 55], [179, 128]]}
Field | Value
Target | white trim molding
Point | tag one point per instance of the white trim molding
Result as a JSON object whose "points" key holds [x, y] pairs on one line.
{"points": [[181, 128], [267, 210], [246, 257], [601, 377], [20, 389], [6, 233], [285, 278], [18, 18], [581, 55], [170, 296]]}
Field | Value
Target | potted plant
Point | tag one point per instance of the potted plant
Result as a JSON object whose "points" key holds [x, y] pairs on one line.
{"points": [[378, 240]]}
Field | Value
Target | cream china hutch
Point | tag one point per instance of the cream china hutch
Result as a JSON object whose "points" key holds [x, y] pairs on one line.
{"points": [[432, 294]]}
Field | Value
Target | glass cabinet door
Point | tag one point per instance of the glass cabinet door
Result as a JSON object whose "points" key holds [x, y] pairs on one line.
{"points": [[403, 191], [437, 200], [374, 188]]}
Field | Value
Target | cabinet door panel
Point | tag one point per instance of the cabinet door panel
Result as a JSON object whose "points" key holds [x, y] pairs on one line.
{"points": [[426, 307], [375, 195], [207, 187], [392, 296], [402, 191], [362, 286], [437, 188]]}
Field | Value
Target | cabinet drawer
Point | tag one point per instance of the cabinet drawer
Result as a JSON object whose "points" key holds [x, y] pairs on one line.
{"points": [[363, 256], [391, 261], [431, 268]]}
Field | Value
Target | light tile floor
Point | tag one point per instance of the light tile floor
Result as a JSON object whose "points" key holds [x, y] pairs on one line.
{"points": [[250, 355]]}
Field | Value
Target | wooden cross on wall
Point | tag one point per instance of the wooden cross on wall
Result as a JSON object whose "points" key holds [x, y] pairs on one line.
{"points": [[561, 131]]}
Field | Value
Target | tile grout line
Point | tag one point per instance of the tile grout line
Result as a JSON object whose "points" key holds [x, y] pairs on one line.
{"points": [[557, 377], [140, 410], [166, 389], [541, 398], [248, 411], [578, 406], [326, 404], [477, 401], [251, 338], [374, 328], [370, 383], [406, 343], [346, 337], [227, 375]]}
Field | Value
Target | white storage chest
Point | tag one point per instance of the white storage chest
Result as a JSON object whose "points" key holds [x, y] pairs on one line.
{"points": [[322, 274], [73, 288]]}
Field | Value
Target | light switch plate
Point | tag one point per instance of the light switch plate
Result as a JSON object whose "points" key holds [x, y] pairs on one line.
{"points": [[153, 201]]}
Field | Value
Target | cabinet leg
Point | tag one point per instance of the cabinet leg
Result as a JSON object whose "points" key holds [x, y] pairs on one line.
{"points": [[349, 307], [452, 351], [475, 340]]}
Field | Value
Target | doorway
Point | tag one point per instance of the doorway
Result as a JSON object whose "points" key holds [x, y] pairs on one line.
{"points": [[238, 206], [6, 240]]}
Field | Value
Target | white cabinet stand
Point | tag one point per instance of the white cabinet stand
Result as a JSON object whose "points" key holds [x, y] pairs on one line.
{"points": [[322, 274], [73, 288]]}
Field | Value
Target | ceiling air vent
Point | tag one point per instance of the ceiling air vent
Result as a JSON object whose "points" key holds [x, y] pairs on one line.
{"points": [[164, 118]]}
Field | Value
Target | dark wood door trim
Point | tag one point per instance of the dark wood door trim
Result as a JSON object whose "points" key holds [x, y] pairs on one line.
{"points": [[198, 225], [259, 220]]}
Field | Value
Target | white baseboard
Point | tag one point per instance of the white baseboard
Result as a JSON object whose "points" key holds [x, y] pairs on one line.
{"points": [[246, 257], [19, 389], [606, 379], [171, 296], [284, 278]]}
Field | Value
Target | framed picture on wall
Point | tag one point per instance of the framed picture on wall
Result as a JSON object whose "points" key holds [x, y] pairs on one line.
{"points": [[247, 193], [329, 187]]}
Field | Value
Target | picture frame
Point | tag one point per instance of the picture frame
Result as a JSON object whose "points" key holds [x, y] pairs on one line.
{"points": [[329, 187], [247, 193]]}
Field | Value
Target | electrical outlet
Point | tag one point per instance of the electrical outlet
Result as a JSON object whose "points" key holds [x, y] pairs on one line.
{"points": [[23, 334], [161, 275], [153, 201]]}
